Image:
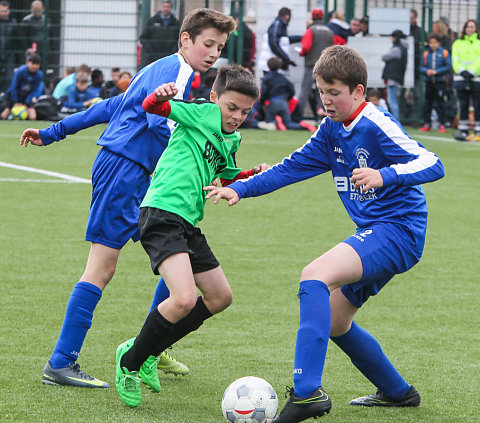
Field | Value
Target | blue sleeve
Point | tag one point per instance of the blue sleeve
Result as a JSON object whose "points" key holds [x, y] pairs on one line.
{"points": [[17, 78], [414, 164], [37, 89], [98, 113], [306, 162]]}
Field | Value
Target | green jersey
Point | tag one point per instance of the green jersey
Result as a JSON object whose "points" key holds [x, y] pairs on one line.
{"points": [[197, 153]]}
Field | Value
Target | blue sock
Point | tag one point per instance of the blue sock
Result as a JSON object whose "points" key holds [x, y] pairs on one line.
{"points": [[312, 336], [78, 319], [367, 355], [161, 294]]}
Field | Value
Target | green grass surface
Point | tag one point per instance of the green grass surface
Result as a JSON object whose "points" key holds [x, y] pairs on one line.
{"points": [[426, 320]]}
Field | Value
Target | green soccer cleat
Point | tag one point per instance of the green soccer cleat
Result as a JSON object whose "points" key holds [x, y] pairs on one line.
{"points": [[168, 364], [148, 374], [412, 399], [127, 383], [70, 376]]}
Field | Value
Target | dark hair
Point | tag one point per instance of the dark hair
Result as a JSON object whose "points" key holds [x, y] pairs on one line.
{"points": [[398, 34], [200, 19], [284, 11], [4, 3], [463, 33], [34, 58], [96, 73], [434, 37], [415, 13], [343, 64], [274, 63], [115, 69], [374, 93], [235, 78]]}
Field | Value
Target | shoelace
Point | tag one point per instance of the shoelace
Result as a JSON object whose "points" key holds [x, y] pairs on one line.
{"points": [[130, 382], [288, 392], [153, 366], [76, 369]]}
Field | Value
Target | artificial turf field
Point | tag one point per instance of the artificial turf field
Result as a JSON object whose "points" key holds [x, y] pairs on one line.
{"points": [[427, 319]]}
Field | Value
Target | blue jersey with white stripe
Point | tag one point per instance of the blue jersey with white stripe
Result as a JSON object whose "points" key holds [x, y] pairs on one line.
{"points": [[132, 133], [375, 140]]}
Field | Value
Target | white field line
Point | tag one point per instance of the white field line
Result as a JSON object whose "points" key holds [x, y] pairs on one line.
{"points": [[63, 177]]}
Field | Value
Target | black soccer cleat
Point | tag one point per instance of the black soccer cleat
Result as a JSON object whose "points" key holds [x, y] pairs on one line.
{"points": [[298, 408], [412, 399]]}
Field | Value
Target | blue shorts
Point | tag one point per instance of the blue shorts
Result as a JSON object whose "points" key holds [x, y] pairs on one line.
{"points": [[119, 186], [385, 249]]}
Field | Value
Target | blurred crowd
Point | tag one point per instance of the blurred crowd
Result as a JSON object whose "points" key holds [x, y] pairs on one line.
{"points": [[447, 64]]}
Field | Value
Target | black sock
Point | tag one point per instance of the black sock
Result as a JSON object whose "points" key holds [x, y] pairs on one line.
{"points": [[155, 328], [183, 327]]}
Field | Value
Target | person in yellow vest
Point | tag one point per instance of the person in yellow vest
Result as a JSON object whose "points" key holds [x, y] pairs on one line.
{"points": [[465, 63]]}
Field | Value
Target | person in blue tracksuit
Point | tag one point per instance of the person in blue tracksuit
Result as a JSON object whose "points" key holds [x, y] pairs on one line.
{"points": [[377, 170], [131, 145], [25, 88]]}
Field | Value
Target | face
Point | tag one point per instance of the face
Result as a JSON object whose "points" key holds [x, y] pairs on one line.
{"points": [[166, 9], [470, 28], [337, 100], [205, 51], [234, 108], [433, 44], [33, 67], [4, 12], [355, 26], [81, 86], [37, 9], [115, 76], [413, 18], [374, 100]]}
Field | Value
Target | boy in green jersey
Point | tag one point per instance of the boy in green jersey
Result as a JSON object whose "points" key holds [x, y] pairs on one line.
{"points": [[201, 148]]}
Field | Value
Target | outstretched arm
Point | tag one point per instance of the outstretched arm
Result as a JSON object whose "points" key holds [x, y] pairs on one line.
{"points": [[31, 136]]}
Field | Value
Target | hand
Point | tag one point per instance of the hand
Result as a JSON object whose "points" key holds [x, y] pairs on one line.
{"points": [[431, 72], [366, 178], [227, 193], [31, 136], [165, 92], [260, 168], [466, 75], [292, 63]]}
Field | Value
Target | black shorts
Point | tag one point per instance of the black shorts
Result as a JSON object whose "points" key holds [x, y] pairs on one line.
{"points": [[163, 234]]}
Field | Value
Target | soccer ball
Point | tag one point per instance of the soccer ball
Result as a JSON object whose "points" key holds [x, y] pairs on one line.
{"points": [[249, 399], [19, 112], [95, 101]]}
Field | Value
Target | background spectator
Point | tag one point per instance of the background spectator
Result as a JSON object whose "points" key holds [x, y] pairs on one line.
{"points": [[249, 45], [277, 41], [375, 96], [63, 87], [416, 32], [78, 96], [277, 90], [8, 34], [355, 28], [466, 65], [159, 38], [363, 26], [25, 88], [32, 28], [316, 38], [114, 78], [435, 65], [440, 28], [97, 83], [340, 28], [394, 70], [122, 84]]}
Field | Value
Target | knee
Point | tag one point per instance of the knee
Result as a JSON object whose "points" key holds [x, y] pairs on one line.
{"points": [[219, 302], [339, 326], [311, 272], [185, 302]]}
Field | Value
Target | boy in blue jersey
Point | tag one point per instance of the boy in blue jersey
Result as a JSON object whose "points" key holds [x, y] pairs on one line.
{"points": [[131, 145], [79, 98], [377, 170], [25, 88]]}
